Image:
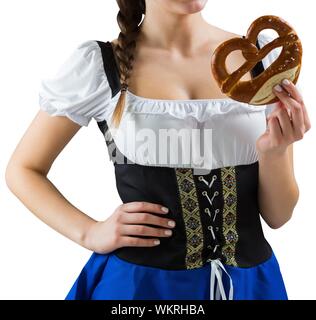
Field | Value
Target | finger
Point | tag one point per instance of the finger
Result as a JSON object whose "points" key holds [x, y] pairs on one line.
{"points": [[284, 96], [137, 242], [275, 131], [141, 230], [143, 206], [273, 113], [307, 122], [298, 123], [146, 218], [290, 87], [296, 114], [276, 106], [279, 105], [285, 123]]}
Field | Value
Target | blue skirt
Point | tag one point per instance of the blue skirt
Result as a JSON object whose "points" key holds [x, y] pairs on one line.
{"points": [[108, 277]]}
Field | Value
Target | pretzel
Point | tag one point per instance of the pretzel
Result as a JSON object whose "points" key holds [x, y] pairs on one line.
{"points": [[258, 91]]}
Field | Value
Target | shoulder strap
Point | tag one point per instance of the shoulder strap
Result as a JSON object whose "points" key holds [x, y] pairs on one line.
{"points": [[258, 68], [112, 73], [110, 66]]}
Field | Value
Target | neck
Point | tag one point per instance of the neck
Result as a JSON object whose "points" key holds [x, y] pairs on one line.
{"points": [[171, 31]]}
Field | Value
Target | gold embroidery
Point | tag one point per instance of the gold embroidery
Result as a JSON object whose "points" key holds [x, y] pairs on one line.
{"points": [[228, 176], [191, 217]]}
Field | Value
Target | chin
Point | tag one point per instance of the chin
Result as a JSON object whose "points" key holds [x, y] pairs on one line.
{"points": [[193, 6], [184, 6]]}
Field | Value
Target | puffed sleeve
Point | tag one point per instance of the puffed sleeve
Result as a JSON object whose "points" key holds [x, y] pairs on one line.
{"points": [[79, 89], [263, 39]]}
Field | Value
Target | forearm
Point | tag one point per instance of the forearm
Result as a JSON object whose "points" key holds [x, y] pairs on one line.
{"points": [[44, 200], [278, 191]]}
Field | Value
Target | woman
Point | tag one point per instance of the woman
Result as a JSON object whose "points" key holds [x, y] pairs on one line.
{"points": [[185, 229]]}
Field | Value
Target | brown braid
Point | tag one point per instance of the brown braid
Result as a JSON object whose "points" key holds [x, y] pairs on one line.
{"points": [[128, 18]]}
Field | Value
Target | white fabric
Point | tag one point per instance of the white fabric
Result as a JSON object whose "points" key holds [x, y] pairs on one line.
{"points": [[224, 130], [79, 89], [229, 129]]}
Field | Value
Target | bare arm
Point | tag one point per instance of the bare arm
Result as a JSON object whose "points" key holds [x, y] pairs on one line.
{"points": [[26, 175], [278, 190]]}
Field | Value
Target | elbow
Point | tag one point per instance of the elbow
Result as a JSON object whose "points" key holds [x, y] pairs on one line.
{"points": [[12, 176], [9, 176], [281, 220], [277, 224]]}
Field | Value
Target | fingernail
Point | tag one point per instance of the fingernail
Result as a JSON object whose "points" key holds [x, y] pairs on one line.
{"points": [[171, 223], [286, 82], [278, 88], [168, 232], [164, 209], [156, 241]]}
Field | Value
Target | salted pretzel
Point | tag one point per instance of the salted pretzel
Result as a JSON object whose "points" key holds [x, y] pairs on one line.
{"points": [[258, 91]]}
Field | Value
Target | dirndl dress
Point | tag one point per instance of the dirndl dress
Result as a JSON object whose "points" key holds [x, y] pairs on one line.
{"points": [[218, 249]]}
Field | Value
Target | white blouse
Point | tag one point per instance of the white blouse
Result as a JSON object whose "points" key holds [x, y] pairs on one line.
{"points": [[203, 133]]}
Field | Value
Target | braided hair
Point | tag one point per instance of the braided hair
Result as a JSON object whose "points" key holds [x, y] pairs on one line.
{"points": [[129, 18]]}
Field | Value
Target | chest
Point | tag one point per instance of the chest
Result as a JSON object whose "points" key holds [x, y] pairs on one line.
{"points": [[165, 75], [174, 117]]}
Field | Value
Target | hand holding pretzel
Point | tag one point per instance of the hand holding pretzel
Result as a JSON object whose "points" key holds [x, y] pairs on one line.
{"points": [[287, 123], [259, 90]]}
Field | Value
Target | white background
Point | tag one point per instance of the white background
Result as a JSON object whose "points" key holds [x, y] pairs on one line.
{"points": [[36, 37]]}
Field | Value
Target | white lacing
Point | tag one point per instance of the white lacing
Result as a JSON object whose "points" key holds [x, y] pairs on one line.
{"points": [[216, 272], [216, 265]]}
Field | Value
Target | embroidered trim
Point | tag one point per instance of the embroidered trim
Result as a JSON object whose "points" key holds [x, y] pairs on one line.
{"points": [[228, 176], [191, 217]]}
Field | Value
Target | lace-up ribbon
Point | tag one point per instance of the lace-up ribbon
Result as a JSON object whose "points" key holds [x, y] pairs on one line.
{"points": [[217, 289]]}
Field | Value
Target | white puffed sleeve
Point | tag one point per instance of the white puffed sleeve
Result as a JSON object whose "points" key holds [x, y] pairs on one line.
{"points": [[79, 90], [263, 39]]}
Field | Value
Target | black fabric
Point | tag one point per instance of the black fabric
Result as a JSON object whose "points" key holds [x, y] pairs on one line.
{"points": [[115, 155], [157, 185], [252, 246], [110, 66], [258, 68], [206, 220], [112, 74]]}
